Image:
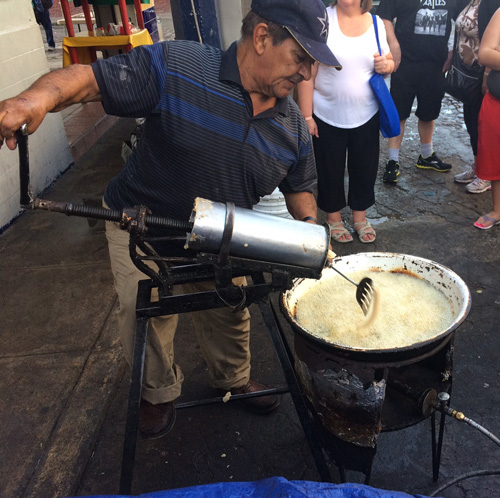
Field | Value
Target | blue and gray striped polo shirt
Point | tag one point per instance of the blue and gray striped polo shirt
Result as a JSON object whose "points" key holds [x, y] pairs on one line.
{"points": [[200, 138]]}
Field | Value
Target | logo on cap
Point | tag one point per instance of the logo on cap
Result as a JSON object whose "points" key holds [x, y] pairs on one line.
{"points": [[324, 23]]}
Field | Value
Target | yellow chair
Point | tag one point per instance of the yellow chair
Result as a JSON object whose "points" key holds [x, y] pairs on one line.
{"points": [[82, 49], [87, 45]]}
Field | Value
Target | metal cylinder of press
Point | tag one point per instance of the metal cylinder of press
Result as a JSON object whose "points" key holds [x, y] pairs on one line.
{"points": [[258, 236]]}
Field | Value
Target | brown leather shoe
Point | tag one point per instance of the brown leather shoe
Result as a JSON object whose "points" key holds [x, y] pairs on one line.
{"points": [[155, 420], [257, 404]]}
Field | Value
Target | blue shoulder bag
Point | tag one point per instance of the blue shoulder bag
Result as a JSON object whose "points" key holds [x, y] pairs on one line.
{"points": [[389, 117]]}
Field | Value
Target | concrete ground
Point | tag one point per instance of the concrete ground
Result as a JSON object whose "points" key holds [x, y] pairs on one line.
{"points": [[64, 384]]}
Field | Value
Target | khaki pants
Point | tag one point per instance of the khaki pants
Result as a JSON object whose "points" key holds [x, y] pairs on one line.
{"points": [[223, 335]]}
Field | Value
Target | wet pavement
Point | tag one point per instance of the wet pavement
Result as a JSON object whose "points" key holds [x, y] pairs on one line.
{"points": [[65, 386]]}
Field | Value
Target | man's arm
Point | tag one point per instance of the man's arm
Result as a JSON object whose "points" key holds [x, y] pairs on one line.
{"points": [[52, 92], [305, 91], [393, 43], [302, 205]]}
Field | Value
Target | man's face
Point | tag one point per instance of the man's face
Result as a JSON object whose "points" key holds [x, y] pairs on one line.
{"points": [[282, 67]]}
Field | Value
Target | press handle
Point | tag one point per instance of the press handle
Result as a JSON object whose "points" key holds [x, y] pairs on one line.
{"points": [[24, 167]]}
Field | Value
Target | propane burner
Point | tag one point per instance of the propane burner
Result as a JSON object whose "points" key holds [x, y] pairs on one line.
{"points": [[353, 402]]}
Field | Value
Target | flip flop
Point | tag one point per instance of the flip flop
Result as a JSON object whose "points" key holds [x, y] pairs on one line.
{"points": [[341, 231], [364, 228], [487, 218]]}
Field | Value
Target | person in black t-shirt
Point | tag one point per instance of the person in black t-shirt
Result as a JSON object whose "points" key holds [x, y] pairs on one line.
{"points": [[419, 43]]}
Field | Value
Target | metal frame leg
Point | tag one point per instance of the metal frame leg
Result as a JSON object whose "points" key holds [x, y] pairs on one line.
{"points": [[285, 355], [437, 448], [134, 401]]}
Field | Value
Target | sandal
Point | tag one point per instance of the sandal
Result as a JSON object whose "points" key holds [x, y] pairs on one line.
{"points": [[482, 226], [339, 233], [364, 228]]}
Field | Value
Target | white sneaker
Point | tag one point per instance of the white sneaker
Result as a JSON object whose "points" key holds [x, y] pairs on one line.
{"points": [[467, 176], [51, 49], [478, 186]]}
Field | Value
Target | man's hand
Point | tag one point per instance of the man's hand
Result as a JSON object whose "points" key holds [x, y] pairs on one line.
{"points": [[447, 62], [301, 205], [14, 113], [396, 54], [393, 43], [312, 126]]}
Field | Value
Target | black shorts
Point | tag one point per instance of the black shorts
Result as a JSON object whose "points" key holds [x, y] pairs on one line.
{"points": [[424, 80]]}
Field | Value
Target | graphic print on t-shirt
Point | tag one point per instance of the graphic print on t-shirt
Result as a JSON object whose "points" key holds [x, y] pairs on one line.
{"points": [[431, 22]]}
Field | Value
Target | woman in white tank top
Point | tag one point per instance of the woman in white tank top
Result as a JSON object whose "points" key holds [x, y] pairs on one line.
{"points": [[342, 115]]}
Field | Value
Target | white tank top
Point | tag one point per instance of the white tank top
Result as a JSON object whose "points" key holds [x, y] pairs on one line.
{"points": [[344, 98]]}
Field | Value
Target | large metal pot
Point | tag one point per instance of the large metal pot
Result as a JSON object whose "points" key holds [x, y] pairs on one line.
{"points": [[358, 393], [439, 276]]}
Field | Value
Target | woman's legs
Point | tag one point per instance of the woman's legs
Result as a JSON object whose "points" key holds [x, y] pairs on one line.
{"points": [[360, 147], [330, 152], [495, 214], [488, 153], [362, 164]]}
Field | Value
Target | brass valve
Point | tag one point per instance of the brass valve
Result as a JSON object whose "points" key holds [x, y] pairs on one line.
{"points": [[458, 415]]}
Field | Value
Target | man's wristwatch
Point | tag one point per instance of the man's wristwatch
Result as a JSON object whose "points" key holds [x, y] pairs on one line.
{"points": [[310, 218]]}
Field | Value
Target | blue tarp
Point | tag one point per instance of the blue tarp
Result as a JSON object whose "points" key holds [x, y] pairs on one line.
{"points": [[275, 487]]}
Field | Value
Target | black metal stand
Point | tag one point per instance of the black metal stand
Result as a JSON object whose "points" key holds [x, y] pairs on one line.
{"points": [[437, 444], [221, 268], [168, 305]]}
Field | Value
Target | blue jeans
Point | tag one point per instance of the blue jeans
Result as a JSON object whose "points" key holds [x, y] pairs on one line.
{"points": [[43, 18]]}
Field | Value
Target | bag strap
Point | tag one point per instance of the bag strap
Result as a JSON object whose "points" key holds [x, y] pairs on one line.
{"points": [[376, 33]]}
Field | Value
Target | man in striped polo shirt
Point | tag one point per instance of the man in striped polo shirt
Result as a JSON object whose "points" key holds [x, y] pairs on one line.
{"points": [[219, 125]]}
